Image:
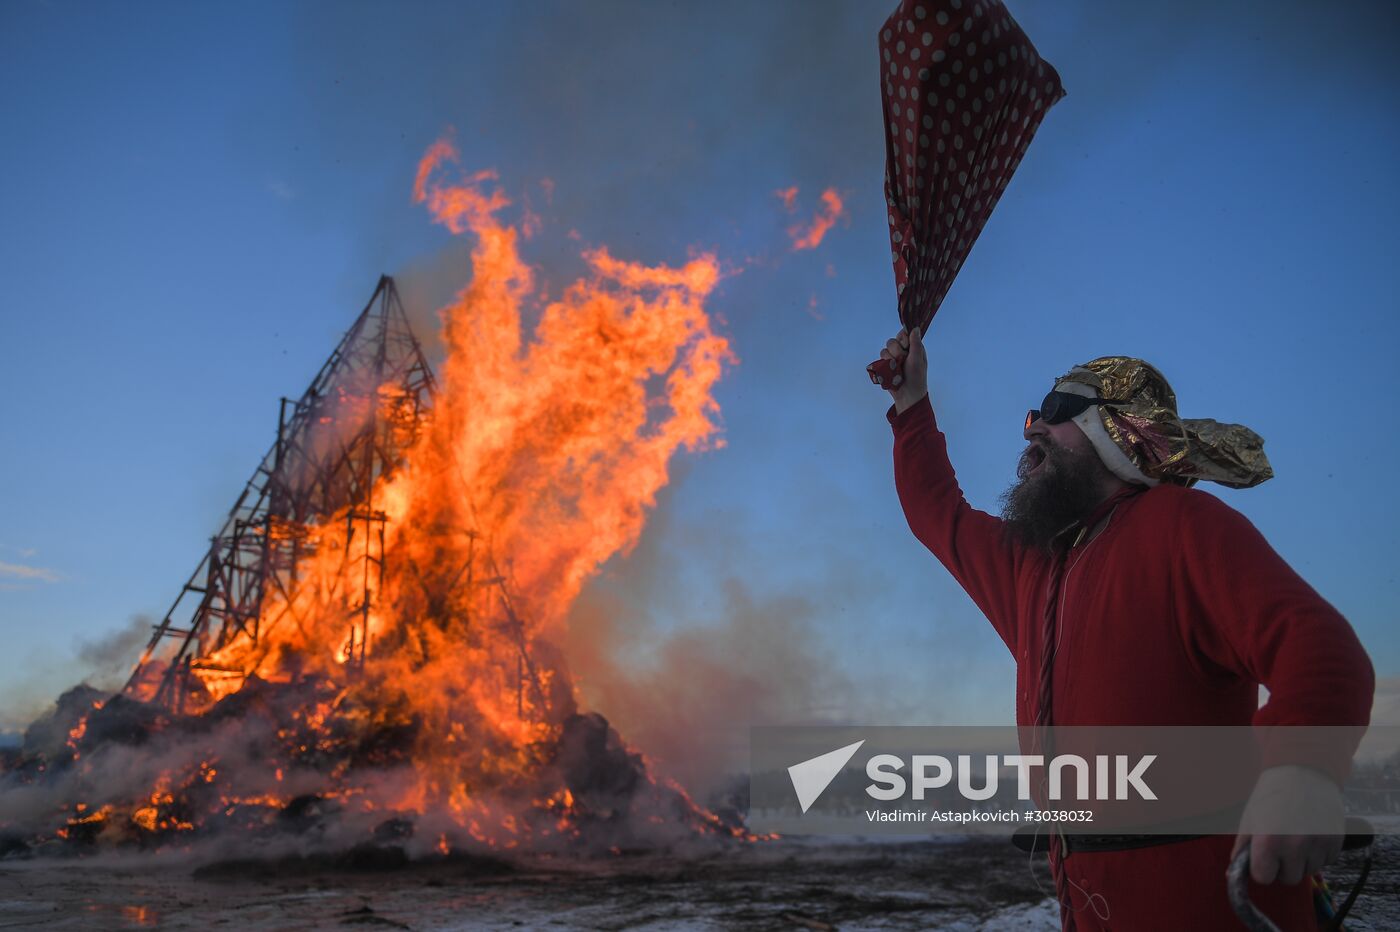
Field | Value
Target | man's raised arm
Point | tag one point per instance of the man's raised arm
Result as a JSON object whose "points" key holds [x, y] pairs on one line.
{"points": [[970, 543]]}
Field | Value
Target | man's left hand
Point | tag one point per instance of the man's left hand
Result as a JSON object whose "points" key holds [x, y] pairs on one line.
{"points": [[1291, 795]]}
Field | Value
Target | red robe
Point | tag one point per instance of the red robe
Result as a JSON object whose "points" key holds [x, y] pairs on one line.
{"points": [[1172, 615]]}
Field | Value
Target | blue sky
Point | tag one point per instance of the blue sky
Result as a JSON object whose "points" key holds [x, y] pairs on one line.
{"points": [[198, 198]]}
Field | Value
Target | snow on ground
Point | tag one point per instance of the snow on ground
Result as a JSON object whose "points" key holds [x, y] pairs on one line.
{"points": [[975, 885]]}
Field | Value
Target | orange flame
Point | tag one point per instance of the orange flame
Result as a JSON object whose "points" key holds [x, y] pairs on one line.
{"points": [[544, 451], [810, 235]]}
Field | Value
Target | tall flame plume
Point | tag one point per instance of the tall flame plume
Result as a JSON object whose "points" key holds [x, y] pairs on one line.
{"points": [[549, 436]]}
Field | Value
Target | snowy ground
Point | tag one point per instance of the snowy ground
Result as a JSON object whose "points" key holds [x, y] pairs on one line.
{"points": [[956, 885]]}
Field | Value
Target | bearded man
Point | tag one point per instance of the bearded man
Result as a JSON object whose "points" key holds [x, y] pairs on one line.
{"points": [[1161, 605]]}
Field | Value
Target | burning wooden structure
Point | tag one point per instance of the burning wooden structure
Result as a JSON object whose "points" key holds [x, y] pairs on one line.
{"points": [[369, 649], [333, 445]]}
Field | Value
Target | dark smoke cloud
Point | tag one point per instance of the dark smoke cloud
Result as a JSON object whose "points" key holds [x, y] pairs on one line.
{"points": [[429, 283], [105, 662], [687, 697], [683, 677], [102, 663], [649, 146]]}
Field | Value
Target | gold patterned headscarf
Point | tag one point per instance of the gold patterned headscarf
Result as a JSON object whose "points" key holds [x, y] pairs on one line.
{"points": [[1139, 418]]}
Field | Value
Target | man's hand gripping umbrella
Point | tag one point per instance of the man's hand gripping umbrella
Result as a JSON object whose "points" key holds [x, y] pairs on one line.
{"points": [[905, 354]]}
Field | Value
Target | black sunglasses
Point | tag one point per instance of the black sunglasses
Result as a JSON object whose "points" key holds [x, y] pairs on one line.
{"points": [[1059, 407]]}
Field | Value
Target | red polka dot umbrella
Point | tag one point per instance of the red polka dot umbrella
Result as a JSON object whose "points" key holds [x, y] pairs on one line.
{"points": [[964, 92]]}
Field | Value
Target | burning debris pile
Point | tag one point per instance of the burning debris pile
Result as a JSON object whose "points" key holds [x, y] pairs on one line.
{"points": [[367, 652]]}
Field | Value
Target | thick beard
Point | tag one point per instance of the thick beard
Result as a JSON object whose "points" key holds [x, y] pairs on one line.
{"points": [[1038, 506]]}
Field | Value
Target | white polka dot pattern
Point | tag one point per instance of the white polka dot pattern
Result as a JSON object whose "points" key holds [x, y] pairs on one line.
{"points": [[964, 92]]}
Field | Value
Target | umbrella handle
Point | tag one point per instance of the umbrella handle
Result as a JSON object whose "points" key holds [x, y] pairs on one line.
{"points": [[885, 373], [1238, 880], [1359, 835]]}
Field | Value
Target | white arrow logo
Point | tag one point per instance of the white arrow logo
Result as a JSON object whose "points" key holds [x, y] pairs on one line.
{"points": [[811, 777]]}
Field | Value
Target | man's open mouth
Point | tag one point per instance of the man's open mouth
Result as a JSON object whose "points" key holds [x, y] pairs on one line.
{"points": [[1034, 458]]}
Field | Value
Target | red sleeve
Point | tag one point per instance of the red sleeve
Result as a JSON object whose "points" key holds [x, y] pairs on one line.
{"points": [[1249, 612], [968, 542]]}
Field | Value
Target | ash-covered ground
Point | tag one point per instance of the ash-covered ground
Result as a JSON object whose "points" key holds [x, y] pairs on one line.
{"points": [[972, 884]]}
